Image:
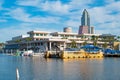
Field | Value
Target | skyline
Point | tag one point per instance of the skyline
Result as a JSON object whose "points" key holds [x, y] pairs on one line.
{"points": [[20, 16]]}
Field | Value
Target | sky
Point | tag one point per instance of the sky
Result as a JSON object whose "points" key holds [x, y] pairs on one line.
{"points": [[17, 17]]}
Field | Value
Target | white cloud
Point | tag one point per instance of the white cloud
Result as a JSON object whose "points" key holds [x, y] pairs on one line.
{"points": [[28, 2], [55, 7], [80, 4], [114, 6], [20, 29], [72, 23], [10, 32], [3, 20], [21, 15], [99, 15], [107, 31], [48, 19], [106, 18], [1, 3], [109, 1]]}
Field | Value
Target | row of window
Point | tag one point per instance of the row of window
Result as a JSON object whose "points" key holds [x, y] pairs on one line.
{"points": [[39, 34]]}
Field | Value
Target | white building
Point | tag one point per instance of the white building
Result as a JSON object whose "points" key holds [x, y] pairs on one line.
{"points": [[40, 41]]}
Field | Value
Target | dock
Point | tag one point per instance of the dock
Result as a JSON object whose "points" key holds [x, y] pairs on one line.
{"points": [[73, 54]]}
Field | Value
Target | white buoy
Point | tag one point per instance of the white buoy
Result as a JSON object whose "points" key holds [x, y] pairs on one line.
{"points": [[17, 74]]}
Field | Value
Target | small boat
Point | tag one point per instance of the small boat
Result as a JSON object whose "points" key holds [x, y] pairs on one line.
{"points": [[27, 53]]}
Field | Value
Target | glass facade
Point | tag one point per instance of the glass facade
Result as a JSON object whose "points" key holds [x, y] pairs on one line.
{"points": [[85, 20]]}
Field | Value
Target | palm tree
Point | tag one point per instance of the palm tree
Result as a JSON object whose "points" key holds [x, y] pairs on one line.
{"points": [[95, 43], [109, 39], [1, 46], [84, 43], [94, 39], [27, 40], [73, 44], [105, 45], [118, 38], [17, 41]]}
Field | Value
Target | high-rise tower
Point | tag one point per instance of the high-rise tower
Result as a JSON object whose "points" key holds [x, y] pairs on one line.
{"points": [[85, 19], [85, 23]]}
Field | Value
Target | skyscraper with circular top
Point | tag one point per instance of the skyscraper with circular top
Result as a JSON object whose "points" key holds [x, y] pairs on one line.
{"points": [[85, 23]]}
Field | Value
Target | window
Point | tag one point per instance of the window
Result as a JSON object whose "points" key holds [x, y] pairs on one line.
{"points": [[45, 34], [41, 34], [37, 39], [41, 43], [37, 34]]}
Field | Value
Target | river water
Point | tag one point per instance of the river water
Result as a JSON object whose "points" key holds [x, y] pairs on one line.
{"points": [[36, 68]]}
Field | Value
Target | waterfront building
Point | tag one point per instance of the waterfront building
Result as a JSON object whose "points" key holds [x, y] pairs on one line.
{"points": [[41, 41]]}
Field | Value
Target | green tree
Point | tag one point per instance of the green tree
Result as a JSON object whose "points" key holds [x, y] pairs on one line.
{"points": [[95, 43], [73, 44], [82, 37], [84, 43], [27, 40], [1, 46], [118, 38], [17, 41], [105, 45], [94, 39]]}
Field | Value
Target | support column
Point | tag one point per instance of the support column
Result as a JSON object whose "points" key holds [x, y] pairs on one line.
{"points": [[64, 46], [45, 45], [50, 46]]}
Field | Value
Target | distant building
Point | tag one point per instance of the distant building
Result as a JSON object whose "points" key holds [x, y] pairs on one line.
{"points": [[41, 41], [116, 45], [67, 29], [92, 30], [85, 23], [83, 30]]}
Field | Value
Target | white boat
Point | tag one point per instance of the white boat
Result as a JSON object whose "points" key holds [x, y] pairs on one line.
{"points": [[27, 53]]}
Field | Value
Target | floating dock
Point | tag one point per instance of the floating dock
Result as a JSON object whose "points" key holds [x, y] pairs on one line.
{"points": [[73, 54]]}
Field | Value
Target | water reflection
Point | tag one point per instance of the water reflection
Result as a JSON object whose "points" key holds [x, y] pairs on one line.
{"points": [[36, 68], [82, 69]]}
